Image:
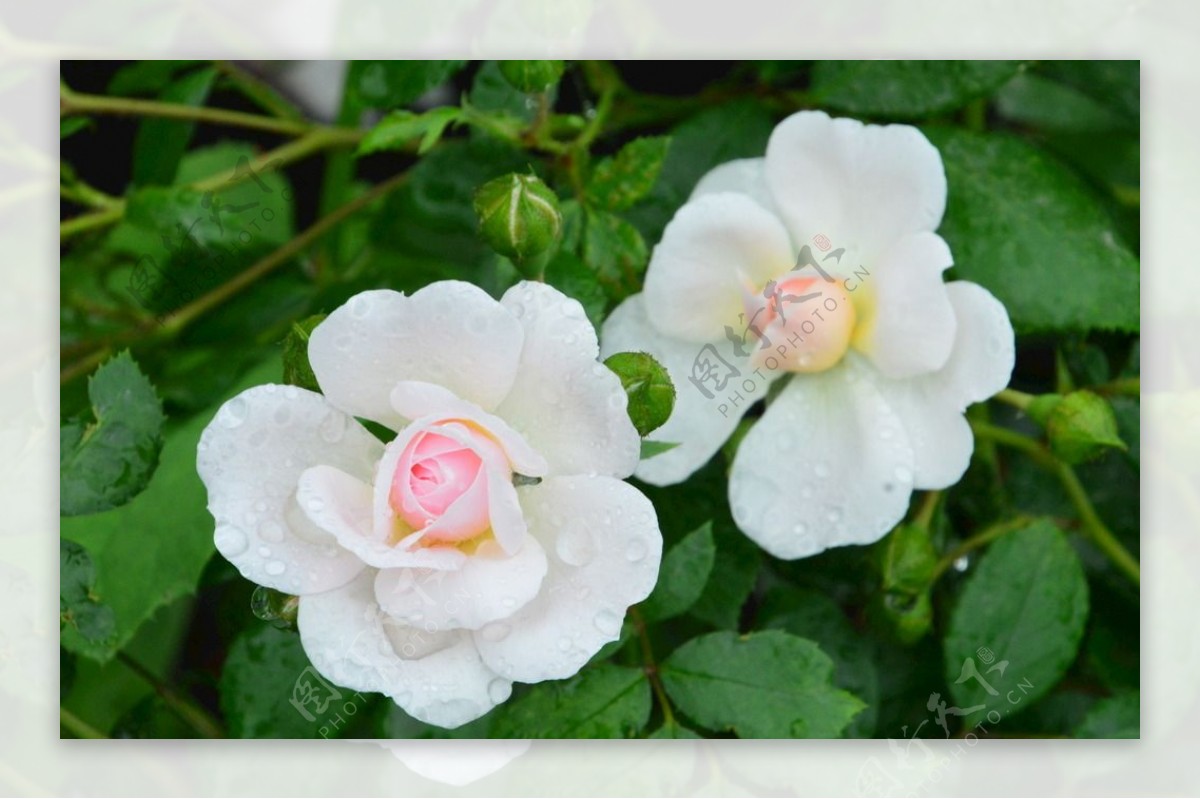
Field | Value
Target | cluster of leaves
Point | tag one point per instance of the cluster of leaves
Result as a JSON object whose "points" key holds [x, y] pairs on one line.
{"points": [[194, 269]]}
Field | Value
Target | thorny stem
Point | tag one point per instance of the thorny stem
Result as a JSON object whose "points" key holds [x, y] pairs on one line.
{"points": [[650, 666], [1093, 525]]}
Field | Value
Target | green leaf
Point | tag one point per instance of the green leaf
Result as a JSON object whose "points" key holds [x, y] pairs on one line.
{"points": [[152, 718], [260, 678], [107, 460], [652, 448], [811, 614], [69, 126], [1034, 100], [399, 128], [602, 702], [152, 550], [531, 76], [684, 572], [648, 386], [621, 180], [906, 89], [1116, 84], [572, 277], [78, 604], [907, 562], [737, 129], [1115, 717], [160, 144], [762, 685], [297, 371], [146, 77], [1024, 227], [492, 93], [1025, 606], [613, 249], [673, 729], [391, 84]]}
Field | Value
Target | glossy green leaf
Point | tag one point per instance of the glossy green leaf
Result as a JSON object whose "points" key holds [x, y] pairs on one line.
{"points": [[621, 180], [265, 670], [1018, 624], [1025, 228], [107, 459], [649, 389], [605, 701], [906, 89], [160, 144], [811, 614], [673, 730], [613, 249], [153, 549], [399, 129], [762, 685], [684, 573]]}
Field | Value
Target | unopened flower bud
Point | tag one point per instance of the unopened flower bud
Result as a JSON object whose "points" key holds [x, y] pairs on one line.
{"points": [[518, 216], [1081, 426]]}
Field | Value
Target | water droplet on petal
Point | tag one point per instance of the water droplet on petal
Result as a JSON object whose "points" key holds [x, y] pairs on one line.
{"points": [[564, 643], [904, 474], [230, 541], [275, 568], [282, 415], [607, 622], [271, 530], [233, 413], [636, 550], [496, 631], [333, 427], [575, 546], [800, 529], [264, 552], [499, 690]]}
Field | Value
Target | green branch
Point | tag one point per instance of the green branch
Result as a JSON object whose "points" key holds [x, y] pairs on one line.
{"points": [[1095, 528], [77, 726], [185, 315], [650, 666]]}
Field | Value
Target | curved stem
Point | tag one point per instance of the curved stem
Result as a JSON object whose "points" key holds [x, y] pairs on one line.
{"points": [[988, 535], [1017, 399], [928, 507], [1097, 531], [73, 103], [315, 141], [78, 727], [651, 666], [1126, 386]]}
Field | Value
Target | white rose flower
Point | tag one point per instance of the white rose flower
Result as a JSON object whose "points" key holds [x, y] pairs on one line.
{"points": [[491, 541], [818, 264]]}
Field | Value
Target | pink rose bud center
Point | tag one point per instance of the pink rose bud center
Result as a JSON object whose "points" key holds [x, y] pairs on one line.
{"points": [[441, 482], [802, 324]]}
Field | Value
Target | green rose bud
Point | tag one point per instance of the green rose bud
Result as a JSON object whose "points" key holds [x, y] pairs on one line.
{"points": [[649, 388], [908, 560], [518, 216], [1041, 407], [531, 76], [1081, 426]]}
